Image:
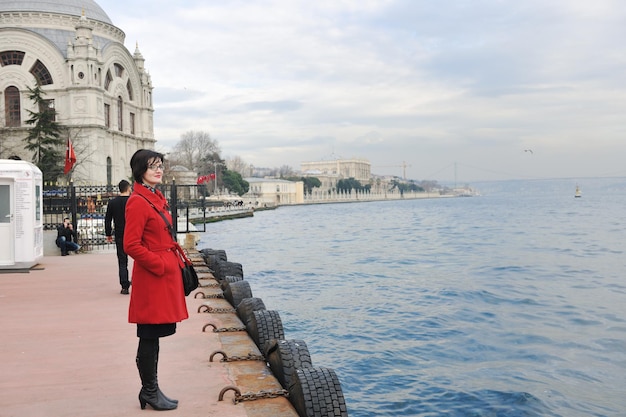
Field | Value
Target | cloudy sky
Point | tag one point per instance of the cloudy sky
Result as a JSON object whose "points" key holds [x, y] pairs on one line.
{"points": [[440, 88]]}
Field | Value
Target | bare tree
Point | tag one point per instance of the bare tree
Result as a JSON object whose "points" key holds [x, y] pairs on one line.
{"points": [[194, 147], [285, 171], [238, 165], [84, 153]]}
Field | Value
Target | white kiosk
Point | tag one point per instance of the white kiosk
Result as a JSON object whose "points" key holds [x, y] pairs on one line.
{"points": [[21, 215]]}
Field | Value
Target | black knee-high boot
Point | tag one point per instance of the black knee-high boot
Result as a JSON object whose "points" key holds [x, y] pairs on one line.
{"points": [[156, 376], [147, 366]]}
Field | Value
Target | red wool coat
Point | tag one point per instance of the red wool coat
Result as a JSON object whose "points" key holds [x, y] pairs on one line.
{"points": [[157, 294]]}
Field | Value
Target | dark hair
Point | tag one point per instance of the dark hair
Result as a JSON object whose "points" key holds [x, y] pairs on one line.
{"points": [[139, 162], [123, 186]]}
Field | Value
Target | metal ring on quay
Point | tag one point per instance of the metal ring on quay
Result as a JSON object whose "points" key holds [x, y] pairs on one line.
{"points": [[221, 352], [226, 389], [207, 325]]}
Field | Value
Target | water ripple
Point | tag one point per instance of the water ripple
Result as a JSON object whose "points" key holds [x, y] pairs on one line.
{"points": [[490, 306]]}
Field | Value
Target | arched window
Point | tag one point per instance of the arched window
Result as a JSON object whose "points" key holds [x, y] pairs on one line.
{"points": [[12, 107], [119, 70], [11, 58], [41, 73], [107, 80], [129, 88], [120, 114], [109, 171]]}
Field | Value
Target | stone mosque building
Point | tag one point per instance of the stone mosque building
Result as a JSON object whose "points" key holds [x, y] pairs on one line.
{"points": [[101, 92]]}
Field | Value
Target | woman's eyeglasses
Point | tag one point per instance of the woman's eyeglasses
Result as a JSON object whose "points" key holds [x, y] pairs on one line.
{"points": [[158, 167]]}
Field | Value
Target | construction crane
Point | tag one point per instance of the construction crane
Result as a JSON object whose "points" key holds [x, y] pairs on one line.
{"points": [[403, 166]]}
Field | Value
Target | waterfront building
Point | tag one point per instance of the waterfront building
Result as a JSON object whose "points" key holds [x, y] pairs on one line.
{"points": [[359, 169], [272, 192], [330, 172], [102, 93]]}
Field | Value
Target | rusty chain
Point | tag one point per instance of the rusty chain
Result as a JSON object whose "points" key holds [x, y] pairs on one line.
{"points": [[226, 358], [248, 357], [252, 396], [201, 294], [213, 296], [229, 329], [223, 329], [210, 309]]}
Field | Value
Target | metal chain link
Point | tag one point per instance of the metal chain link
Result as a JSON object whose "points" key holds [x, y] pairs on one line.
{"points": [[252, 396], [248, 357], [221, 310], [213, 296], [209, 309], [226, 358], [229, 329]]}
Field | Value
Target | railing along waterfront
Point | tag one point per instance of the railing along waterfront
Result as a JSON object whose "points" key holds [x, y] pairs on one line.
{"points": [[317, 197], [85, 206]]}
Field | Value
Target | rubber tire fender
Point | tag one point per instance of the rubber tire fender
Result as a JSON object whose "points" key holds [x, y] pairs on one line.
{"points": [[237, 291], [224, 268], [228, 279], [212, 256], [285, 357], [247, 306], [263, 326], [316, 392]]}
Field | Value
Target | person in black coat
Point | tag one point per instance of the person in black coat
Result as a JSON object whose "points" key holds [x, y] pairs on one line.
{"points": [[116, 210], [67, 238]]}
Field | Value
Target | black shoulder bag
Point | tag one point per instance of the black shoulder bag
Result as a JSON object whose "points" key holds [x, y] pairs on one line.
{"points": [[190, 278]]}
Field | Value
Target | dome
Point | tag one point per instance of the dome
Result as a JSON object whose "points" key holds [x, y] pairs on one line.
{"points": [[67, 7]]}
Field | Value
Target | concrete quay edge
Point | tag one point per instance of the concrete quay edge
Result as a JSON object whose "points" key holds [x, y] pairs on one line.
{"points": [[69, 351]]}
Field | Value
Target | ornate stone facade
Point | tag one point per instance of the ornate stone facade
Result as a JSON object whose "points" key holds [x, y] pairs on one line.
{"points": [[329, 172], [101, 92]]}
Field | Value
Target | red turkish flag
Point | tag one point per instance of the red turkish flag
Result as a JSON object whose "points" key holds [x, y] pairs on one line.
{"points": [[70, 157]]}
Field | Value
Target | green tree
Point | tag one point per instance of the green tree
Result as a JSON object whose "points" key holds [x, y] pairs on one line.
{"points": [[406, 187], [349, 184], [309, 183], [44, 138], [235, 182], [213, 164]]}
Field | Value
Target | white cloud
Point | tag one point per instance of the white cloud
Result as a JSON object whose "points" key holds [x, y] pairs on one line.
{"points": [[429, 83]]}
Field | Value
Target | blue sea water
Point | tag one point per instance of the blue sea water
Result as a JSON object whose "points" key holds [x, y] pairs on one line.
{"points": [[512, 303]]}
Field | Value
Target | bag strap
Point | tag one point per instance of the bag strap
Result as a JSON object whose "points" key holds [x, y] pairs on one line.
{"points": [[167, 223], [180, 250]]}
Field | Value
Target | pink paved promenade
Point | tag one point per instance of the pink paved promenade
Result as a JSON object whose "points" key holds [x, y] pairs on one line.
{"points": [[67, 349]]}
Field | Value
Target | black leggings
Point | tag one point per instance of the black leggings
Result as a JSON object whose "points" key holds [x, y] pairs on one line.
{"points": [[154, 331], [147, 347]]}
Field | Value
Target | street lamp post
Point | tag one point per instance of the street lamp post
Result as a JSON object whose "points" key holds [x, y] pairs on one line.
{"points": [[215, 179], [215, 164]]}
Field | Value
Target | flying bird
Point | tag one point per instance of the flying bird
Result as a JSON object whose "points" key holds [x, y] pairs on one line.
{"points": [[528, 150]]}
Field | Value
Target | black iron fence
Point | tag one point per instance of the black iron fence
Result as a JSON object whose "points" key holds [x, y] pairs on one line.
{"points": [[85, 206]]}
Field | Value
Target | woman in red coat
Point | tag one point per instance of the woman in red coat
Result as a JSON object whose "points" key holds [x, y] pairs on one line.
{"points": [[157, 300]]}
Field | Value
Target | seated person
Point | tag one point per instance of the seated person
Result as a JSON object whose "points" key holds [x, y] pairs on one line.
{"points": [[67, 238]]}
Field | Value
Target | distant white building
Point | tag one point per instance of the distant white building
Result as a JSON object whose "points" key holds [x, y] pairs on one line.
{"points": [[359, 169], [274, 192], [101, 91], [329, 172]]}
